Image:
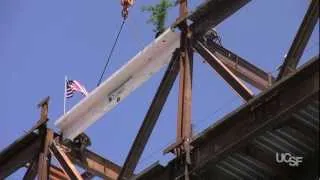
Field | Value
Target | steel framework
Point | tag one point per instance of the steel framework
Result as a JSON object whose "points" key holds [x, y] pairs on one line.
{"points": [[242, 145]]}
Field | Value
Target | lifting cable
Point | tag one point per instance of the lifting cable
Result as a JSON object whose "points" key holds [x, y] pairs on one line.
{"points": [[111, 52]]}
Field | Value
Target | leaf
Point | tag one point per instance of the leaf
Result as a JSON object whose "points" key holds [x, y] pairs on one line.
{"points": [[158, 14]]}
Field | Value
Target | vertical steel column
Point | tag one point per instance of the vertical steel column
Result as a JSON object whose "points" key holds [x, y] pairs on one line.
{"points": [[184, 132], [151, 118], [47, 138], [45, 156]]}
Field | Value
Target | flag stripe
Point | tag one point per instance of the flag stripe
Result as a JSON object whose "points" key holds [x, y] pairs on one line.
{"points": [[74, 86]]}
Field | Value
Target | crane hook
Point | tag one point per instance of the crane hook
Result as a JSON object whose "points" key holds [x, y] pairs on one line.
{"points": [[126, 4]]}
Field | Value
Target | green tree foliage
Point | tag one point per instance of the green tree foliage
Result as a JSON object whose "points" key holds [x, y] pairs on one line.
{"points": [[158, 14]]}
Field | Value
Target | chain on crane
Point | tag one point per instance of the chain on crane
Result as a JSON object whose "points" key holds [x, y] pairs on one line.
{"points": [[126, 4]]}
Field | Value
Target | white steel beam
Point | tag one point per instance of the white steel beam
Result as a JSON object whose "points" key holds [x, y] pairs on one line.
{"points": [[119, 85]]}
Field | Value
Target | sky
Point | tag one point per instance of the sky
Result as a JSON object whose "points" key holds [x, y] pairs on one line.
{"points": [[41, 42]]}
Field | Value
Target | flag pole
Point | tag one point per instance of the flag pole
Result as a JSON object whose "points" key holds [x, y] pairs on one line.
{"points": [[64, 95]]}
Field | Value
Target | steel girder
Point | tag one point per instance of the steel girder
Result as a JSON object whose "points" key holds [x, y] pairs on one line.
{"points": [[300, 41]]}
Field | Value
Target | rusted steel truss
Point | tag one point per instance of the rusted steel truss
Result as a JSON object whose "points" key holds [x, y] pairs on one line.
{"points": [[33, 151], [224, 71], [29, 148], [241, 67], [235, 136]]}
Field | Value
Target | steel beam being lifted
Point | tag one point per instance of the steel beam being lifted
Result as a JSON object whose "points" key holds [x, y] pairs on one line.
{"points": [[138, 70], [301, 39], [240, 67], [224, 72], [151, 118], [119, 85]]}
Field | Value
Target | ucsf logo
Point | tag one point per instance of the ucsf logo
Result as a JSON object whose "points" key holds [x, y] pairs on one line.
{"points": [[293, 161]]}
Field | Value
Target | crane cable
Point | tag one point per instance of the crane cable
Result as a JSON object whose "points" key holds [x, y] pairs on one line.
{"points": [[111, 52]]}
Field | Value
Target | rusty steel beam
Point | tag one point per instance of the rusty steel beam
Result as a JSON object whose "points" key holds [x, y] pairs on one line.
{"points": [[224, 72], [185, 81], [56, 173], [31, 172], [46, 136], [40, 164], [151, 118], [301, 39], [240, 67], [44, 159], [18, 154], [213, 12], [65, 162], [184, 129], [94, 164], [26, 148]]}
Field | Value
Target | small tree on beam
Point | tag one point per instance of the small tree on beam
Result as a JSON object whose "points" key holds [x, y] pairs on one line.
{"points": [[159, 14]]}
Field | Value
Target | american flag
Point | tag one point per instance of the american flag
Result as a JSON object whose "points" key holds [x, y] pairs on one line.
{"points": [[74, 86]]}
